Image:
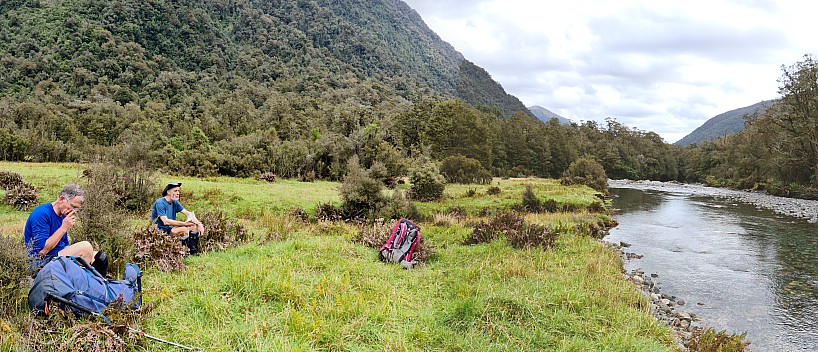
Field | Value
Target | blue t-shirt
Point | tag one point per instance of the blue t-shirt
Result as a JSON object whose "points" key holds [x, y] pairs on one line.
{"points": [[41, 224], [161, 207]]}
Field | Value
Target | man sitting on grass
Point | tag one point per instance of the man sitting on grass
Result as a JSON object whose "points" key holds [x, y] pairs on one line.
{"points": [[46, 231], [163, 214]]}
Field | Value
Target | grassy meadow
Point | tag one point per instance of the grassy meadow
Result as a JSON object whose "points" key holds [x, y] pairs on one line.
{"points": [[310, 286]]}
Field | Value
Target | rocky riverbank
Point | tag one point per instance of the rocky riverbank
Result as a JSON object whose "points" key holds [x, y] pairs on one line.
{"points": [[665, 308], [798, 208]]}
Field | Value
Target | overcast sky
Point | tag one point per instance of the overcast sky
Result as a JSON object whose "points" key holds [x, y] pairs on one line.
{"points": [[662, 66]]}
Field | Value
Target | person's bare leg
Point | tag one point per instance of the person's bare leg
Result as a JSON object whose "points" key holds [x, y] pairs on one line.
{"points": [[180, 231], [82, 249]]}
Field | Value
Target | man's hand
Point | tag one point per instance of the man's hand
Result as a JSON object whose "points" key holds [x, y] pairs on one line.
{"points": [[69, 220]]}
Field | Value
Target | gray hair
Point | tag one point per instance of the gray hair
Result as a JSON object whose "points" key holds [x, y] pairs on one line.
{"points": [[72, 190]]}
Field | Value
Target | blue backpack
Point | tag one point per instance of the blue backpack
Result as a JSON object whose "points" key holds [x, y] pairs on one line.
{"points": [[76, 281]]}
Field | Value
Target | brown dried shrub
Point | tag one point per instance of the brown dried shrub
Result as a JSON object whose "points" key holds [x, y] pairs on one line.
{"points": [[512, 226], [220, 232], [268, 176], [493, 191], [154, 246], [329, 212], [22, 197], [9, 180]]}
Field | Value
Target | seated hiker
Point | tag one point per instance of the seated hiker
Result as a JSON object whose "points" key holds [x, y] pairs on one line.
{"points": [[46, 231], [163, 214]]}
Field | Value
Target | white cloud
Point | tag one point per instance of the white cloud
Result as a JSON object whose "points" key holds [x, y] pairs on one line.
{"points": [[654, 65]]}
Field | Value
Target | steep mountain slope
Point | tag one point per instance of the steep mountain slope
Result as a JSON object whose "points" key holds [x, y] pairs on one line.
{"points": [[723, 124], [139, 51], [546, 115]]}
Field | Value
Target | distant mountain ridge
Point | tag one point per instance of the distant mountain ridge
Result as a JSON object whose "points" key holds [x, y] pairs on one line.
{"points": [[723, 124], [546, 115]]}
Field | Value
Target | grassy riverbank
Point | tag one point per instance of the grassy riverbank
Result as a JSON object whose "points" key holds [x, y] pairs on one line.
{"points": [[312, 286]]}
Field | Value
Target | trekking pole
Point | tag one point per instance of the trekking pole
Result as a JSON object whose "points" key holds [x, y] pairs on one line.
{"points": [[108, 321]]}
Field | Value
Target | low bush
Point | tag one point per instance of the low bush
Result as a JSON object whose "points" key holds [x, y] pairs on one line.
{"points": [[530, 201], [493, 191], [398, 206], [361, 193], [153, 246], [268, 176], [9, 180], [220, 232], [710, 340], [460, 169], [22, 197], [586, 171], [550, 205], [100, 219], [487, 231], [300, 214], [427, 183], [512, 226], [328, 212]]}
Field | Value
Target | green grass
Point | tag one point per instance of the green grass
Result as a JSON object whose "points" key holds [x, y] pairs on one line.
{"points": [[311, 288]]}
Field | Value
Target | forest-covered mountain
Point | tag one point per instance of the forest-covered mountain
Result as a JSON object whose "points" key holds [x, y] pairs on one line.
{"points": [[724, 124], [134, 51], [546, 115]]}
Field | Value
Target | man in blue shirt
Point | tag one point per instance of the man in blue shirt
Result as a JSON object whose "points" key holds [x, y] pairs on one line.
{"points": [[163, 214], [46, 231]]}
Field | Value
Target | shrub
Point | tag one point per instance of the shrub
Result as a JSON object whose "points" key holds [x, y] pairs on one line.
{"points": [[471, 193], [9, 180], [328, 212], [457, 212], [398, 206], [22, 197], [588, 172], [460, 169], [427, 183], [268, 176], [300, 214], [220, 232], [100, 220], [153, 246], [531, 235], [550, 205], [530, 201], [15, 277], [485, 232], [512, 226], [710, 340], [493, 191], [360, 193]]}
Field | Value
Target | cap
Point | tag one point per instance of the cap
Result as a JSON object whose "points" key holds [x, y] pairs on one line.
{"points": [[171, 186]]}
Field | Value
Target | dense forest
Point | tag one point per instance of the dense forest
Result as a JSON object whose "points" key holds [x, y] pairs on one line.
{"points": [[299, 87]]}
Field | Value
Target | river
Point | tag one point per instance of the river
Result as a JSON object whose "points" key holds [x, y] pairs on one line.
{"points": [[738, 267]]}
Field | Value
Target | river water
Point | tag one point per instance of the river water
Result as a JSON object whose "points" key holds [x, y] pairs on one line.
{"points": [[737, 267]]}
